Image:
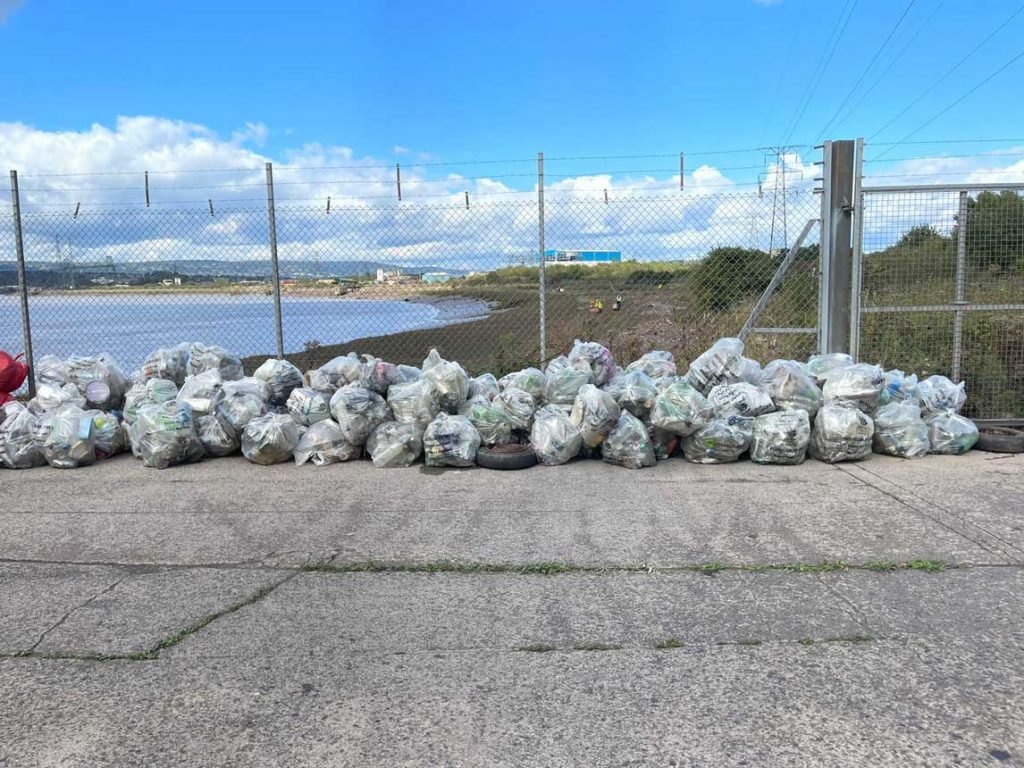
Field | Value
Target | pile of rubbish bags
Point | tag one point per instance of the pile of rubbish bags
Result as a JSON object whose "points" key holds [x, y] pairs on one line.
{"points": [[195, 401]]}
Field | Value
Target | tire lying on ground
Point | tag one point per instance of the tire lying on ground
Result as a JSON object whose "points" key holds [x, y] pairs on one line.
{"points": [[506, 457], [1000, 440]]}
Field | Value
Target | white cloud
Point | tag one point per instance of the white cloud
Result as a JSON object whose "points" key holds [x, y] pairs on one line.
{"points": [[400, 150]]}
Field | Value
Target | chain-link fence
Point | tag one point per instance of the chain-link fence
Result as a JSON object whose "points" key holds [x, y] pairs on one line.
{"points": [[942, 288]]}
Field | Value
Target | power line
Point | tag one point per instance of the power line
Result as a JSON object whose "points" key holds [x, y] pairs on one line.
{"points": [[867, 69], [941, 112], [949, 72]]}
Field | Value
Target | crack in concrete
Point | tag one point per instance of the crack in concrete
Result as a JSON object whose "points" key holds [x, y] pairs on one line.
{"points": [[66, 616], [858, 612]]}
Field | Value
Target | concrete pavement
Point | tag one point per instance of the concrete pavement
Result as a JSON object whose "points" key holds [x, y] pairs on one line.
{"points": [[228, 614]]}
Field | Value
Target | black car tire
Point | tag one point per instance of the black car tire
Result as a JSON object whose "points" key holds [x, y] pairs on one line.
{"points": [[506, 457], [1000, 440]]}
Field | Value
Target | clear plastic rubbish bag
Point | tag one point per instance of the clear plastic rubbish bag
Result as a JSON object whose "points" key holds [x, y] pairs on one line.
{"points": [[790, 387], [395, 444], [554, 438], [841, 432], [629, 444], [307, 406], [518, 405], [900, 430], [721, 440], [655, 364], [740, 398], [217, 436], [414, 402], [484, 385], [70, 443], [858, 385], [323, 443], [680, 409], [562, 380], [336, 372], [99, 380], [249, 385], [378, 375], [780, 438], [358, 411], [898, 387], [203, 357], [665, 443], [950, 433], [50, 369], [165, 435], [529, 380], [239, 407], [202, 392], [147, 392], [491, 421], [634, 392], [166, 363], [819, 367], [281, 376], [18, 447], [270, 439], [595, 414], [598, 357], [940, 395], [723, 363], [407, 373], [50, 397], [450, 441], [108, 436], [451, 382]]}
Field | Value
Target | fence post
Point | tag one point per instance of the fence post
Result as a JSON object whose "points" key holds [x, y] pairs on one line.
{"points": [[961, 286], [836, 251], [272, 221], [19, 245], [543, 291], [856, 281]]}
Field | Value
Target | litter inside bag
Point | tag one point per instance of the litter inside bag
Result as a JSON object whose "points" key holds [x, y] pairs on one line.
{"points": [[50, 369], [491, 421], [70, 443], [378, 375], [841, 432], [323, 443], [790, 387], [723, 363], [900, 430], [451, 382], [18, 447], [450, 441], [634, 392], [721, 440], [165, 363], [597, 357], [407, 373], [281, 376], [307, 406], [239, 407], [665, 443], [335, 373], [594, 413], [940, 395], [484, 385], [740, 398], [950, 433], [655, 364], [554, 438], [108, 436], [270, 439], [248, 385], [148, 392], [820, 366], [395, 444], [629, 443], [780, 437], [164, 435], [50, 397], [99, 380], [898, 387], [414, 402], [217, 436], [529, 380], [518, 405], [358, 411], [203, 357], [680, 409], [562, 380], [202, 392], [857, 385]]}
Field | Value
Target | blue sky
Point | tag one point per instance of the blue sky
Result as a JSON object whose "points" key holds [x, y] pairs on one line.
{"points": [[461, 80]]}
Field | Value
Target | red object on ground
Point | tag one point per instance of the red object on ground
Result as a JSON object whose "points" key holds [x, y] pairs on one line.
{"points": [[12, 374], [5, 398]]}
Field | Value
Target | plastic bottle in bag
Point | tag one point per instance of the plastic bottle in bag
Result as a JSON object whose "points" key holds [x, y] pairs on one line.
{"points": [[451, 382], [307, 406], [595, 414], [780, 437], [553, 437], [203, 357], [598, 357], [723, 363], [721, 440], [70, 443], [950, 433], [900, 430], [842, 432], [164, 435], [740, 398], [655, 364], [414, 402], [858, 385], [395, 444], [323, 443], [820, 366], [18, 446], [281, 376], [358, 411], [629, 444], [790, 387], [562, 380], [897, 388], [108, 437], [680, 409], [270, 439], [450, 441], [940, 395]]}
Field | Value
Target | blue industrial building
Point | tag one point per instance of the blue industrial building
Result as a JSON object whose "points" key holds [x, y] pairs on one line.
{"points": [[588, 257]]}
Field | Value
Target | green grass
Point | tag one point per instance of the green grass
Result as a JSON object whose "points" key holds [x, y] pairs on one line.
{"points": [[668, 644]]}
